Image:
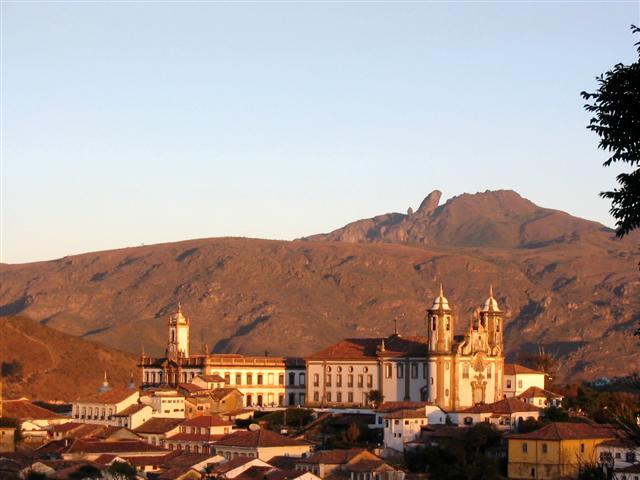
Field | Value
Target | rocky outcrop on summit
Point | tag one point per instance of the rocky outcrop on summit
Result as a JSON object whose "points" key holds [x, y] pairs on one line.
{"points": [[501, 219]]}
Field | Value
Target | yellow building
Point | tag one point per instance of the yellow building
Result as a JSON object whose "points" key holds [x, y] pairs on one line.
{"points": [[555, 451]]}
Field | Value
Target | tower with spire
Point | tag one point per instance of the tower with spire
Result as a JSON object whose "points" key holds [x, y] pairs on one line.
{"points": [[178, 345]]}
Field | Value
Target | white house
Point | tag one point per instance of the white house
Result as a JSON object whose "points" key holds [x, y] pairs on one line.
{"points": [[505, 414], [619, 453], [518, 379], [167, 403], [133, 416], [402, 426], [541, 398], [102, 406]]}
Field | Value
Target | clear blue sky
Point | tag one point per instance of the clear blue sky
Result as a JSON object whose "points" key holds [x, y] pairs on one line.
{"points": [[131, 123]]}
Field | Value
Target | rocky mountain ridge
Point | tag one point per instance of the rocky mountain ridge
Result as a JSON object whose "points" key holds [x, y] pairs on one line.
{"points": [[564, 282]]}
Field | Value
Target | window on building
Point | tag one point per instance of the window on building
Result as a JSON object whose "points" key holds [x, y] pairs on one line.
{"points": [[582, 448], [360, 381], [328, 396], [489, 369], [369, 381], [414, 370], [350, 380], [338, 397], [281, 379], [316, 380], [447, 324], [524, 447], [292, 378], [350, 397], [508, 383], [433, 323], [431, 381], [533, 472], [260, 379], [227, 378], [519, 383], [465, 370], [545, 448], [388, 370], [316, 396], [328, 380], [339, 380], [630, 457], [249, 379], [400, 370], [270, 378], [424, 370], [238, 379], [302, 379]]}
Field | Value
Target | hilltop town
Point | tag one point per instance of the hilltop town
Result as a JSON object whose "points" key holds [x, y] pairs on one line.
{"points": [[389, 408]]}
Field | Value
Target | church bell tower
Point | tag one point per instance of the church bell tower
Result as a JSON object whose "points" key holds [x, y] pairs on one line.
{"points": [[178, 345]]}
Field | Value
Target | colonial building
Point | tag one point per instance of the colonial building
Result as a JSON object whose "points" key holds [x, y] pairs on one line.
{"points": [[344, 374], [263, 380], [444, 369]]}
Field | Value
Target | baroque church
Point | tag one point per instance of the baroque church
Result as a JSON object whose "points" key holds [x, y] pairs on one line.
{"points": [[464, 370]]}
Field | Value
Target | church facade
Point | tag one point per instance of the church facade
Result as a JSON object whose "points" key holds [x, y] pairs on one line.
{"points": [[464, 370], [448, 370]]}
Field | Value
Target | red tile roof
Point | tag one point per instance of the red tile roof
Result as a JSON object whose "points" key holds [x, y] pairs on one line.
{"points": [[504, 407], [190, 387], [332, 457], [399, 414], [158, 425], [207, 421], [111, 396], [115, 447], [532, 392], [231, 464], [567, 431], [258, 438], [362, 348], [212, 378], [387, 407], [193, 437], [516, 369], [23, 409], [131, 409]]}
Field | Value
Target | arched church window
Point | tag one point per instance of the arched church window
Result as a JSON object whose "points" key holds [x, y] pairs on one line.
{"points": [[448, 324], [497, 325], [173, 335], [433, 323]]}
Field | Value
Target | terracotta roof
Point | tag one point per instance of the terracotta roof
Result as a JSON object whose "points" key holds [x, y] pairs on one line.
{"points": [[177, 472], [283, 474], [231, 464], [258, 438], [131, 409], [254, 472], [221, 393], [65, 427], [363, 348], [621, 443], [158, 425], [190, 387], [516, 369], [533, 392], [369, 465], [111, 396], [119, 446], [566, 431], [207, 421], [193, 437], [504, 406], [67, 473], [332, 457], [23, 409], [399, 414], [387, 407], [283, 462]]}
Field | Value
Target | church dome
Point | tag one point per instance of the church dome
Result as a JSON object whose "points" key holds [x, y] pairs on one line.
{"points": [[440, 302], [490, 304]]}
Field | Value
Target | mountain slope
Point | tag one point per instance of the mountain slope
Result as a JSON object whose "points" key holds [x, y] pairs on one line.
{"points": [[55, 365], [580, 296], [500, 219]]}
